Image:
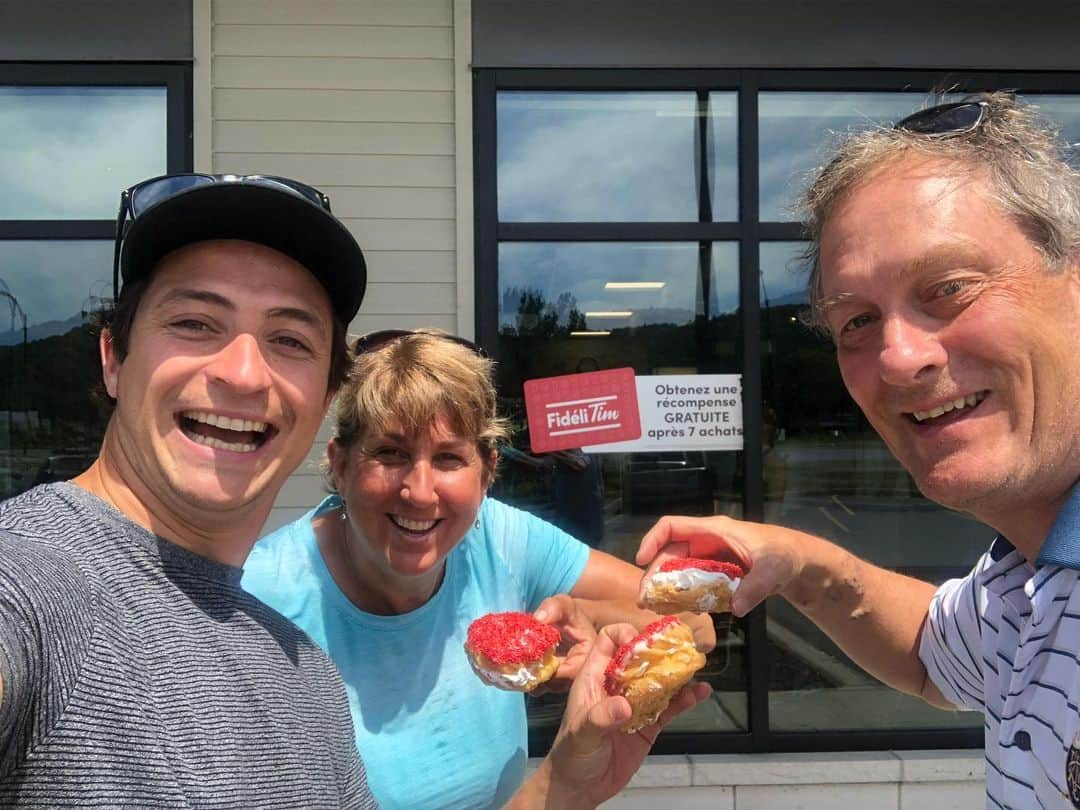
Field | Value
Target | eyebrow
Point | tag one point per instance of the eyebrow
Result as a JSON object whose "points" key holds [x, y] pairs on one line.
{"points": [[187, 294], [945, 254]]}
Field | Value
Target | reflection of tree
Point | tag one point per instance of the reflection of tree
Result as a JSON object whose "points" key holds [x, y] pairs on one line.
{"points": [[538, 318]]}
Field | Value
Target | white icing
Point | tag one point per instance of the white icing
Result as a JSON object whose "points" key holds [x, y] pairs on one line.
{"points": [[521, 678], [692, 578]]}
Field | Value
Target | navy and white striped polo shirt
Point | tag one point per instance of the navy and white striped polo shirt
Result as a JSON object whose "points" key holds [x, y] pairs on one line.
{"points": [[1005, 640]]}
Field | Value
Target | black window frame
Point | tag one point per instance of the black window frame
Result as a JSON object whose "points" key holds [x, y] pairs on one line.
{"points": [[749, 233], [176, 78]]}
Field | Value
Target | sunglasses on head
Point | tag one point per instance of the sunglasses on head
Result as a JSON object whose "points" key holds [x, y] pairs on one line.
{"points": [[143, 196], [946, 120], [374, 340]]}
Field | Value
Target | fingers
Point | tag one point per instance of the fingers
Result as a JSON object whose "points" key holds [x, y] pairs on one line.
{"points": [[554, 609], [768, 576], [704, 537]]}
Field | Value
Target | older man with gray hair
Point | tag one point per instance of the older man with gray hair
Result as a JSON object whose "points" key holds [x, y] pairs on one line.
{"points": [[946, 268]]}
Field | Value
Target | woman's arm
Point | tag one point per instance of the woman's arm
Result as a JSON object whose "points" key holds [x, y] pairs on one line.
{"points": [[607, 593]]}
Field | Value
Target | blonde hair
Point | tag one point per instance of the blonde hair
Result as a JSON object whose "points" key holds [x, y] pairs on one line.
{"points": [[1021, 156], [412, 380]]}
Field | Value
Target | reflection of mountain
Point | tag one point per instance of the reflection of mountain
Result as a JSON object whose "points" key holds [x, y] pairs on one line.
{"points": [[661, 315], [41, 330], [788, 300]]}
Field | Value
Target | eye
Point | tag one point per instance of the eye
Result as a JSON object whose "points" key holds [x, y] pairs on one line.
{"points": [[293, 343], [858, 322], [389, 455], [450, 461], [191, 325], [951, 287]]}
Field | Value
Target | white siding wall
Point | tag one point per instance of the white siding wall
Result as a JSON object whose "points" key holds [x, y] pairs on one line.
{"points": [[356, 97]]}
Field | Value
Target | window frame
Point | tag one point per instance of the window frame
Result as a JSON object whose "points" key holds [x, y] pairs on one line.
{"points": [[748, 232], [179, 156]]}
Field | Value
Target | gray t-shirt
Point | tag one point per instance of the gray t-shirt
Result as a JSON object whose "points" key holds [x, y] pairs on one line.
{"points": [[138, 674]]}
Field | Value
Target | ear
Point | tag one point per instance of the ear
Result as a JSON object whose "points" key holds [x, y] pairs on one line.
{"points": [[110, 362], [488, 475], [336, 456]]}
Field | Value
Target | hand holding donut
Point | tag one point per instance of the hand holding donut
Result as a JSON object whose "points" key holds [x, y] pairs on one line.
{"points": [[592, 759], [577, 632], [769, 555]]}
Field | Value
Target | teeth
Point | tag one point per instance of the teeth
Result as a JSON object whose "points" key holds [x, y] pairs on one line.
{"points": [[225, 422], [956, 404], [218, 444], [413, 525]]}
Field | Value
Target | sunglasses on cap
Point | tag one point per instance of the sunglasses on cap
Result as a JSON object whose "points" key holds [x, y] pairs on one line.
{"points": [[374, 340], [143, 196], [946, 120]]}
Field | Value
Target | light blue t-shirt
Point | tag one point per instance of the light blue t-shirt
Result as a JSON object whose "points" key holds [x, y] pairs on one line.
{"points": [[431, 734]]}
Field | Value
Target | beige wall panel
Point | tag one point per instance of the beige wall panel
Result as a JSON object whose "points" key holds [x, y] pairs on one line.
{"points": [[365, 322], [302, 490], [410, 265], [334, 105], [333, 74], [335, 12], [385, 202], [415, 299], [394, 42], [334, 138], [403, 234], [354, 170]]}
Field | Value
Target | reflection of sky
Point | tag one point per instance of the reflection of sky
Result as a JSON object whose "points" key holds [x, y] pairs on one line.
{"points": [[53, 280], [583, 268], [69, 151], [610, 157], [783, 274], [798, 130]]}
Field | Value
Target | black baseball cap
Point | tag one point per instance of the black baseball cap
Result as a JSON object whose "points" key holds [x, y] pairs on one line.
{"points": [[172, 211]]}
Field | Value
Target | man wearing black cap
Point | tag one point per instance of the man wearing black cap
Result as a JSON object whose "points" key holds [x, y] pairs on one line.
{"points": [[134, 669]]}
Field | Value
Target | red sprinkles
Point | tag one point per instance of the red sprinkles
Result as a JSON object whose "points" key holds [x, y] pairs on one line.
{"points": [[622, 655], [511, 638], [730, 570]]}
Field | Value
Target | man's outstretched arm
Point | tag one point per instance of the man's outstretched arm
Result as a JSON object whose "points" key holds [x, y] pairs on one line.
{"points": [[875, 616]]}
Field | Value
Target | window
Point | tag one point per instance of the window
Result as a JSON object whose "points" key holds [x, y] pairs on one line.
{"points": [[75, 136], [687, 180]]}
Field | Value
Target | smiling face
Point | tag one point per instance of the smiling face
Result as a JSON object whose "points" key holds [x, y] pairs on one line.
{"points": [[224, 385], [410, 500], [957, 342]]}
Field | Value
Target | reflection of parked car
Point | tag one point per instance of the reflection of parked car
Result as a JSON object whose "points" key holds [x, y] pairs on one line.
{"points": [[63, 467], [651, 481]]}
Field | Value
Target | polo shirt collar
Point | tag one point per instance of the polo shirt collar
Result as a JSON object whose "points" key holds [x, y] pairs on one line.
{"points": [[1062, 545]]}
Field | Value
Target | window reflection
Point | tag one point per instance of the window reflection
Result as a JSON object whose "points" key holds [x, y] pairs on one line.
{"points": [[615, 156], [797, 131], [559, 314], [828, 473], [51, 421], [1063, 110], [69, 150]]}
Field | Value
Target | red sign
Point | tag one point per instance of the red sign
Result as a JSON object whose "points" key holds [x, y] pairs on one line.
{"points": [[581, 409]]}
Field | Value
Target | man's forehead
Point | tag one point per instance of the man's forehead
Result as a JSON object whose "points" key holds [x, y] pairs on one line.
{"points": [[235, 273]]}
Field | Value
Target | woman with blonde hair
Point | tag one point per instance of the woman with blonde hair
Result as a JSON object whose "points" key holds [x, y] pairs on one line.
{"points": [[387, 572]]}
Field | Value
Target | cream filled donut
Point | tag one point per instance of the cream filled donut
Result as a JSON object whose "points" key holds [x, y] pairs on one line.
{"points": [[650, 668], [512, 651], [689, 584]]}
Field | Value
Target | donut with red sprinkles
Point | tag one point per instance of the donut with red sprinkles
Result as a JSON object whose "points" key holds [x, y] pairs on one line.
{"points": [[623, 655], [730, 570], [651, 668], [512, 651], [689, 584]]}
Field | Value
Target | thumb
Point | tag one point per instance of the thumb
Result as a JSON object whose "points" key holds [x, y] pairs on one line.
{"points": [[768, 576]]}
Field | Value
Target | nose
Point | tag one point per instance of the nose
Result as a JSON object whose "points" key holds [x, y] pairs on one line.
{"points": [[418, 484], [241, 366], [909, 352]]}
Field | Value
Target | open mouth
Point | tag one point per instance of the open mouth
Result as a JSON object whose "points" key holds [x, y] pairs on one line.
{"points": [[949, 411], [225, 432], [414, 527]]}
